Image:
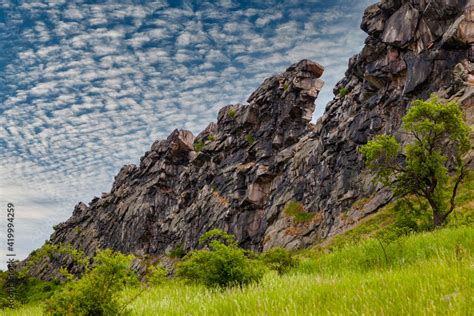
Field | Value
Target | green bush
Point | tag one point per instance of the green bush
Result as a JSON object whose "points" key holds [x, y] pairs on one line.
{"points": [[221, 263], [343, 91], [278, 259], [231, 113], [156, 275], [211, 137], [27, 289], [198, 146], [177, 252], [96, 293], [50, 251], [250, 139]]}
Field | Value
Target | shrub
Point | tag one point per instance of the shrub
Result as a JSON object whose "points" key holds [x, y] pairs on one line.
{"points": [[220, 264], [96, 293], [250, 139], [343, 91], [297, 212], [211, 137], [50, 251], [231, 113], [27, 289], [198, 146], [156, 275], [177, 252], [278, 259]]}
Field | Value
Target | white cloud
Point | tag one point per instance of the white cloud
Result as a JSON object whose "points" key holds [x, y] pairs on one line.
{"points": [[88, 92]]}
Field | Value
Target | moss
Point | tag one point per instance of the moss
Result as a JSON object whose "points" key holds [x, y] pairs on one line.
{"points": [[297, 212]]}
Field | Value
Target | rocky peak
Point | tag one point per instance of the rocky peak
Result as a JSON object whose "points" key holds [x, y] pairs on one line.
{"points": [[241, 173]]}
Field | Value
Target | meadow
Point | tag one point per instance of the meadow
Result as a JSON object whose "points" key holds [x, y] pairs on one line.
{"points": [[428, 273]]}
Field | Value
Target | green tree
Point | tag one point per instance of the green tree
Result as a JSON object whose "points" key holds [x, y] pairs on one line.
{"points": [[437, 140]]}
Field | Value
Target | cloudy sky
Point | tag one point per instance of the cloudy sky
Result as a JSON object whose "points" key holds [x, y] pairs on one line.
{"points": [[87, 86]]}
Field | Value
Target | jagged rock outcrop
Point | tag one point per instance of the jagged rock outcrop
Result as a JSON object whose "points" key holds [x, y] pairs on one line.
{"points": [[240, 173]]}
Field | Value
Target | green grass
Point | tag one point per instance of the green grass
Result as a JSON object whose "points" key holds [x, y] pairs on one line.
{"points": [[426, 274], [429, 273], [297, 212]]}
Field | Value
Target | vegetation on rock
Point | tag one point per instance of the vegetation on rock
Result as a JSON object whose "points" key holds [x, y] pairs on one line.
{"points": [[198, 146], [296, 211]]}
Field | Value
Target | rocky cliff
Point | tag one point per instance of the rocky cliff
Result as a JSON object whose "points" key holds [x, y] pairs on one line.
{"points": [[265, 173]]}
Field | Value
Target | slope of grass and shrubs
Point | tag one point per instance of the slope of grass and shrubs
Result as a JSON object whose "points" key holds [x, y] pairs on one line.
{"points": [[422, 273], [391, 263]]}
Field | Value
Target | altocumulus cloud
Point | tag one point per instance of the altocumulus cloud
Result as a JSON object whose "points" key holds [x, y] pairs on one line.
{"points": [[86, 87]]}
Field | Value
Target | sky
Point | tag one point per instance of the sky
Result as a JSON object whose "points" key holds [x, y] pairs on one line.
{"points": [[87, 86]]}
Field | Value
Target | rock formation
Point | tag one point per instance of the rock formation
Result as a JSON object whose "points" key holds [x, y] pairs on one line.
{"points": [[242, 173]]}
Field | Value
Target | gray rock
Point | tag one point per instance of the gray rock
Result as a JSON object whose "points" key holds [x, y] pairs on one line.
{"points": [[401, 26], [263, 154]]}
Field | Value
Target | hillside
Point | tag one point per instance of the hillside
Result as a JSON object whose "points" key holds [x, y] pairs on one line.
{"points": [[243, 173], [429, 273]]}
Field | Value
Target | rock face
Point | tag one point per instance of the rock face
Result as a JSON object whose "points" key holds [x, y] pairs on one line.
{"points": [[240, 173]]}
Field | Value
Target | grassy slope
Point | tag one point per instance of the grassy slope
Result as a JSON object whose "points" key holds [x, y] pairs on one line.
{"points": [[426, 274], [430, 273]]}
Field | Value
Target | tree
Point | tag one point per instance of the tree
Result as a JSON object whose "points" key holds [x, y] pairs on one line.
{"points": [[437, 140]]}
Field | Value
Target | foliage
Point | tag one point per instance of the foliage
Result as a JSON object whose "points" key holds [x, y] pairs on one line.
{"points": [[27, 289], [156, 275], [51, 251], [250, 139], [220, 264], [198, 146], [439, 139], [219, 235], [343, 91], [211, 137], [427, 273], [231, 113], [97, 292], [177, 252], [286, 87], [279, 259], [297, 212]]}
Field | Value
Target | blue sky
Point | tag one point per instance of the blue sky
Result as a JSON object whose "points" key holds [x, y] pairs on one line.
{"points": [[87, 86]]}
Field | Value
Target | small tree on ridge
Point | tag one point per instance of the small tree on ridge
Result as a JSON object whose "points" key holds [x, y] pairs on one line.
{"points": [[438, 139]]}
